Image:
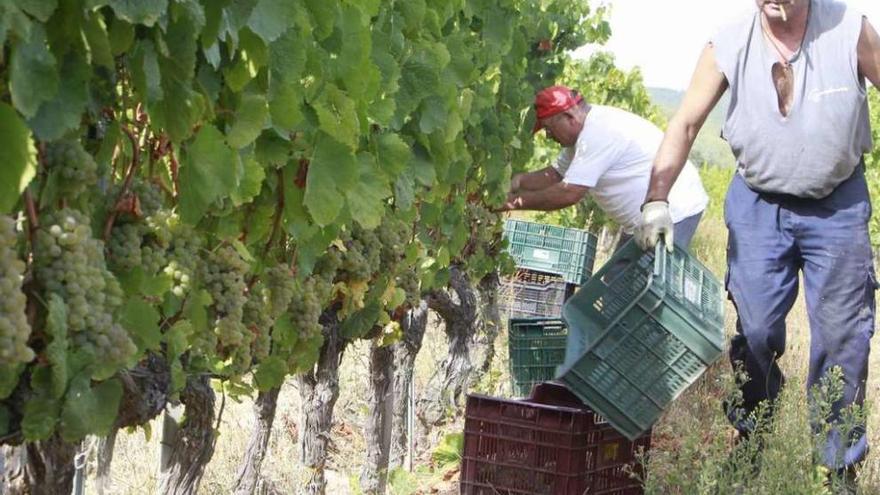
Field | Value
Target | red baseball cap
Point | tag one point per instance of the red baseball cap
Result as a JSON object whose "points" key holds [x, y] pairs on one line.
{"points": [[553, 100]]}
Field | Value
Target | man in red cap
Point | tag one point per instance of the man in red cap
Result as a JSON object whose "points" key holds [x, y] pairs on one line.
{"points": [[608, 153]]}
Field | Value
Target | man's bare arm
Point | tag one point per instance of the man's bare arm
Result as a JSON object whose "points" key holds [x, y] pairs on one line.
{"points": [[535, 181], [869, 53], [706, 87], [555, 197]]}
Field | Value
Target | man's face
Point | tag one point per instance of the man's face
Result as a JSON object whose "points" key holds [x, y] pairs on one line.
{"points": [[772, 9], [564, 128]]}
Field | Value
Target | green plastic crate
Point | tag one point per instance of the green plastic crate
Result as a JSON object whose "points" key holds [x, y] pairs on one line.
{"points": [[563, 251], [640, 337], [536, 346]]}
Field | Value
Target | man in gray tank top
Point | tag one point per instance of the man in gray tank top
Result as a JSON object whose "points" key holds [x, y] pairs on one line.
{"points": [[798, 126]]}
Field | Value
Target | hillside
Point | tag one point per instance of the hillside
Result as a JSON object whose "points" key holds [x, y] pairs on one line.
{"points": [[709, 147]]}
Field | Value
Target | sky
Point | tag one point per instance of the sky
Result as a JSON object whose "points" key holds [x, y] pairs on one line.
{"points": [[664, 37]]}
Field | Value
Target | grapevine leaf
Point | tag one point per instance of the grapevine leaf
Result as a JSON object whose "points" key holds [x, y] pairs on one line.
{"points": [[64, 112], [251, 181], [285, 104], [270, 373], [306, 353], [498, 31], [433, 115], [56, 351], [337, 116], [99, 43], [176, 339], [121, 35], [287, 56], [324, 14], [195, 311], [13, 19], [332, 168], [353, 66], [178, 377], [242, 251], [393, 154], [9, 376], [404, 191], [89, 410], [207, 173], [18, 156], [284, 335], [41, 9], [142, 322], [40, 417], [424, 170], [33, 74], [145, 71], [250, 117], [359, 323], [145, 12], [271, 150], [366, 199], [270, 18]]}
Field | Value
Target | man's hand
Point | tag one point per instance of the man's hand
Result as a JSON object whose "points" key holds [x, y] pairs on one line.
{"points": [[513, 202], [656, 221]]}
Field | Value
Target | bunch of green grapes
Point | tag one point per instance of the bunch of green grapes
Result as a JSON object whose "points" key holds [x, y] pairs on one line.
{"points": [[69, 262], [408, 280], [486, 229], [149, 194], [14, 328], [72, 166], [305, 307], [362, 257], [223, 275], [181, 254], [259, 322], [124, 246], [394, 234], [328, 265], [278, 289]]}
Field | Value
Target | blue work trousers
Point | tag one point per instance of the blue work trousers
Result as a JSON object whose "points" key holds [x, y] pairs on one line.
{"points": [[771, 238]]}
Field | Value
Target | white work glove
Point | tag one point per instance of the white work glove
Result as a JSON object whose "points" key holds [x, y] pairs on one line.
{"points": [[656, 221]]}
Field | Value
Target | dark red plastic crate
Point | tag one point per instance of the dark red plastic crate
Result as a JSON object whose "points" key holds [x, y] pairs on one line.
{"points": [[523, 447]]}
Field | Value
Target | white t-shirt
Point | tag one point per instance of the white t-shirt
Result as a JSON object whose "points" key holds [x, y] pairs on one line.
{"points": [[613, 157]]}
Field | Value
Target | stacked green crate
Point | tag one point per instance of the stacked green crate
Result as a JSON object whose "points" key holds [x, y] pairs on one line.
{"points": [[638, 337], [563, 251], [536, 346]]}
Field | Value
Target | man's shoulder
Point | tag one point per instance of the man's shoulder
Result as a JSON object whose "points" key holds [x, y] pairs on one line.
{"points": [[737, 28]]}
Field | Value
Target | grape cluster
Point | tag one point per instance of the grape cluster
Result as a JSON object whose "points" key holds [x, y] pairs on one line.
{"points": [[394, 234], [259, 322], [223, 274], [14, 327], [278, 291], [70, 262], [305, 307], [124, 246], [149, 196], [328, 264], [182, 254], [486, 225], [266, 302], [72, 166], [408, 280], [362, 256]]}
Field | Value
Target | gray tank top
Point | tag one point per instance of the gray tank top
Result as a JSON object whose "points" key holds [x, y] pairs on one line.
{"points": [[821, 141]]}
